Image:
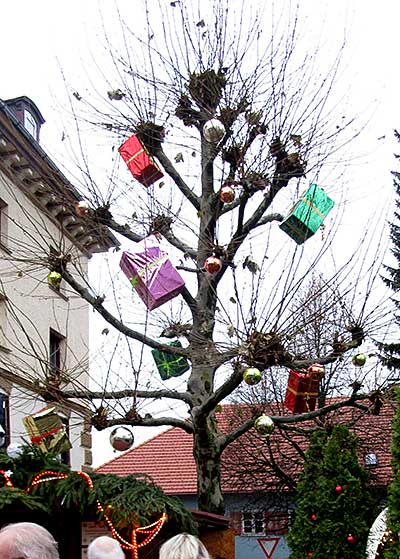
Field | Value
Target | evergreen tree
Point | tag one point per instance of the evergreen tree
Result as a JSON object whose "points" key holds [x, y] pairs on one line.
{"points": [[391, 350], [392, 547], [333, 503]]}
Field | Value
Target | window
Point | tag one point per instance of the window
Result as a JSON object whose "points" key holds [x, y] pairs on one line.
{"points": [[30, 124], [260, 523], [253, 522], [65, 456], [56, 351], [4, 421], [3, 320], [3, 223]]}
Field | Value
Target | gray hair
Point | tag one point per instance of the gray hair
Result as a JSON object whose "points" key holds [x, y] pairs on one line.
{"points": [[27, 539], [183, 546], [105, 547]]}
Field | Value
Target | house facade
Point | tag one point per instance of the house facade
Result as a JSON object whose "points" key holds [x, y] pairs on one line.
{"points": [[260, 506], [44, 327]]}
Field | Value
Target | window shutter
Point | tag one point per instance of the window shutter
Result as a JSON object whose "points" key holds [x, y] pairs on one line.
{"points": [[236, 522], [276, 523]]}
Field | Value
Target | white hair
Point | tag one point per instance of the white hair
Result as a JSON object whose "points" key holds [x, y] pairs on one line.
{"points": [[27, 539], [183, 546], [105, 547]]}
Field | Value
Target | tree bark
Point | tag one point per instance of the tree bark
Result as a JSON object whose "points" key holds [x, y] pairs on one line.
{"points": [[207, 455]]}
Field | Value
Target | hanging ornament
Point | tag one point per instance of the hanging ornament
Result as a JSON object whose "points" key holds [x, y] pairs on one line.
{"points": [[54, 279], [213, 130], [121, 438], [316, 370], [338, 489], [359, 359], [252, 376], [82, 208], [351, 539], [213, 264], [264, 425], [313, 517], [309, 553], [227, 194]]}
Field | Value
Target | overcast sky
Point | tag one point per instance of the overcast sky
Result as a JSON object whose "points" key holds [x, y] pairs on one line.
{"points": [[37, 38]]}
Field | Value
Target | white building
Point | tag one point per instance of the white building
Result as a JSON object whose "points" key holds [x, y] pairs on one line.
{"points": [[44, 330]]}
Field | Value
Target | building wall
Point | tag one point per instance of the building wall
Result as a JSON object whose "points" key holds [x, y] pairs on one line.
{"points": [[252, 545], [31, 308]]}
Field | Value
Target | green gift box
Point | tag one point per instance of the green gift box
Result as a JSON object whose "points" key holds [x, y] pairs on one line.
{"points": [[170, 365], [307, 214]]}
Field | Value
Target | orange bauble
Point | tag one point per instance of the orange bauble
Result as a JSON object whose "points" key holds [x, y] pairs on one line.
{"points": [[227, 194], [213, 264]]}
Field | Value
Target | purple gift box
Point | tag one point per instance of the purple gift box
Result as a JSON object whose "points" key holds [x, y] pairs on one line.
{"points": [[151, 273]]}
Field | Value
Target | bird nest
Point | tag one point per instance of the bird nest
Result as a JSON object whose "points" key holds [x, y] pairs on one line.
{"points": [[150, 134], [266, 350]]}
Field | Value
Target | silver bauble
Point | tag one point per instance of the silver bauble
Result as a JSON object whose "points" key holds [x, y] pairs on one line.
{"points": [[264, 425], [213, 131], [121, 438]]}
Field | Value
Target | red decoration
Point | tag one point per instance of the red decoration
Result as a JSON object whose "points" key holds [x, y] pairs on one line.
{"points": [[338, 489], [150, 531], [302, 392], [313, 517], [227, 194], [139, 162], [213, 264], [316, 370], [309, 553], [351, 539]]}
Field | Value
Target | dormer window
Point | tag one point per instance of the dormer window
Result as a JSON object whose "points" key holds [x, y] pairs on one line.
{"points": [[27, 114], [30, 124]]}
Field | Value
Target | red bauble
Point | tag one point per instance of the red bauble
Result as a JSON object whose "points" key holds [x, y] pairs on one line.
{"points": [[313, 517], [309, 554], [338, 489], [82, 208], [227, 194], [213, 264], [351, 539]]}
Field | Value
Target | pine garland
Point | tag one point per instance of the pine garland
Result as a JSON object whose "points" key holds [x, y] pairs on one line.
{"points": [[130, 501]]}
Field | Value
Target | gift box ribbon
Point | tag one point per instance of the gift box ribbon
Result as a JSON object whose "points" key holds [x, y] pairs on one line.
{"points": [[135, 155], [39, 438], [314, 208], [142, 272], [306, 395]]}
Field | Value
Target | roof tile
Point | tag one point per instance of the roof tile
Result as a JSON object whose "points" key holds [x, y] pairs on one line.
{"points": [[168, 457]]}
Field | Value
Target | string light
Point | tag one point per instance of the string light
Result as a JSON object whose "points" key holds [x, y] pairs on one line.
{"points": [[150, 531], [9, 483]]}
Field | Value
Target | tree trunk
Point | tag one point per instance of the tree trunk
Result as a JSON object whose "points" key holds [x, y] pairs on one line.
{"points": [[208, 463]]}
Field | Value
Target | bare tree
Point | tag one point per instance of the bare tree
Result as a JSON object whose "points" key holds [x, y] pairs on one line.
{"points": [[196, 64]]}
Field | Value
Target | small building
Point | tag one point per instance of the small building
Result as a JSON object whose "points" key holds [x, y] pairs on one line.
{"points": [[44, 328], [258, 504]]}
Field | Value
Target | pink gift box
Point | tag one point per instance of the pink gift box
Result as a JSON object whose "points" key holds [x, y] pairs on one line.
{"points": [[151, 273]]}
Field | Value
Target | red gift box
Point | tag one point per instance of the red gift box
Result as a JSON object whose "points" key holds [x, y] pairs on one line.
{"points": [[139, 162], [302, 392]]}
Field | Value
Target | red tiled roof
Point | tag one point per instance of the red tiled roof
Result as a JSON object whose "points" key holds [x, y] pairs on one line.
{"points": [[168, 457]]}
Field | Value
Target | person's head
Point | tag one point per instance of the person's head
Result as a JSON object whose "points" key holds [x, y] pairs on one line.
{"points": [[26, 540], [183, 546], [105, 547]]}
